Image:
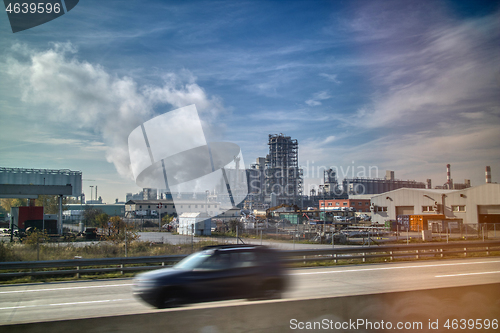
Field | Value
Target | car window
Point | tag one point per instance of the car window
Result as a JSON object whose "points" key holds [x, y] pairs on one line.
{"points": [[195, 260], [244, 259], [217, 261], [267, 257]]}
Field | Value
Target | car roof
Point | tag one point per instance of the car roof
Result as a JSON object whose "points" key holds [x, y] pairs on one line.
{"points": [[234, 247]]}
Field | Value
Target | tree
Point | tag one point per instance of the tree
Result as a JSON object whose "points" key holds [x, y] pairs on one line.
{"points": [[232, 225], [118, 230], [50, 203], [102, 220], [167, 218], [7, 204], [90, 215]]}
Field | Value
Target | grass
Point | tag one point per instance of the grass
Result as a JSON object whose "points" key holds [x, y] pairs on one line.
{"points": [[54, 251]]}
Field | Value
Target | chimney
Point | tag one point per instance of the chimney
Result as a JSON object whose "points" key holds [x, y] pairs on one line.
{"points": [[488, 175], [448, 176]]}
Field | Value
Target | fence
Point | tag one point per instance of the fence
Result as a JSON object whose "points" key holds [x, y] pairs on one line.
{"points": [[481, 231], [84, 266]]}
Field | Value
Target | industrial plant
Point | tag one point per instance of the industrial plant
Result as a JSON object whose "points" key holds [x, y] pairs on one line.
{"points": [[270, 194]]}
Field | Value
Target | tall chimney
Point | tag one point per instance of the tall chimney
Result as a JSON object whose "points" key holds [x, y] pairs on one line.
{"points": [[488, 175], [448, 176]]}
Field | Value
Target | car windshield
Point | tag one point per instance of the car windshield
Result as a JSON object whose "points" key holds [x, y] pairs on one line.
{"points": [[193, 261]]}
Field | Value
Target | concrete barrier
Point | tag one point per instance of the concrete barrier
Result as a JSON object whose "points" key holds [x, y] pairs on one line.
{"points": [[421, 310]]}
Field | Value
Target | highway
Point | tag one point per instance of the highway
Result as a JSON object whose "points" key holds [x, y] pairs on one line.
{"points": [[83, 299]]}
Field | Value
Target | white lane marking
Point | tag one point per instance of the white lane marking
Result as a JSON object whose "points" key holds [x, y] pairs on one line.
{"points": [[462, 274], [68, 288], [399, 267], [65, 304]]}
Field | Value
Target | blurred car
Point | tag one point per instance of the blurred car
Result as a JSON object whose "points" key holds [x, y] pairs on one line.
{"points": [[215, 273]]}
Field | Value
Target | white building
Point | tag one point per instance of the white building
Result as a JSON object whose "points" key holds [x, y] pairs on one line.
{"points": [[168, 206], [201, 222], [479, 204]]}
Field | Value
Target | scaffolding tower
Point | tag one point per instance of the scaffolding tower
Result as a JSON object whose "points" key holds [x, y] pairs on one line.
{"points": [[283, 176]]}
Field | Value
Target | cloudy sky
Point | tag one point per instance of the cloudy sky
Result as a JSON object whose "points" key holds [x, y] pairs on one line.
{"points": [[407, 86]]}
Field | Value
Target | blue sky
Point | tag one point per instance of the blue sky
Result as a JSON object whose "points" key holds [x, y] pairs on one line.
{"points": [[407, 86]]}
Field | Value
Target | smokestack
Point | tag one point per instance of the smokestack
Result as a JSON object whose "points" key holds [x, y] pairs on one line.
{"points": [[448, 175], [488, 175]]}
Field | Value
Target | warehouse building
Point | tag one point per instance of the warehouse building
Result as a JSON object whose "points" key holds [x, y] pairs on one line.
{"points": [[134, 208], [360, 186], [357, 205], [479, 204]]}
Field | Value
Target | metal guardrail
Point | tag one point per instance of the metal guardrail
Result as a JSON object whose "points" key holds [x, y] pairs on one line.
{"points": [[76, 266], [416, 251]]}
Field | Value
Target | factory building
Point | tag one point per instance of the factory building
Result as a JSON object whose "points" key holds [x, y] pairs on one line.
{"points": [[256, 179], [479, 204], [450, 185], [75, 211], [135, 208], [358, 205], [360, 186], [276, 179], [43, 177], [283, 177]]}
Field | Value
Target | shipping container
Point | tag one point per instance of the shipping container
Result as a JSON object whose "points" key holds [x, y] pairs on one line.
{"points": [[28, 213]]}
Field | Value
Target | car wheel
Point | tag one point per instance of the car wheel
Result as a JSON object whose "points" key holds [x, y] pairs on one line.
{"points": [[170, 298], [269, 290]]}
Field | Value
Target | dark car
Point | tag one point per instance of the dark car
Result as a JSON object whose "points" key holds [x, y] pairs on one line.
{"points": [[215, 273]]}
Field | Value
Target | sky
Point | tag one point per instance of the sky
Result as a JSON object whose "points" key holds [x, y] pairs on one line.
{"points": [[408, 86]]}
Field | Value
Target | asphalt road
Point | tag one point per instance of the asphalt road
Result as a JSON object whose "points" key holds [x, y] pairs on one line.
{"points": [[67, 300]]}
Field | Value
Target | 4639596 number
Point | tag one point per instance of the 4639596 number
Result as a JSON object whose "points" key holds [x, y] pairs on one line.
{"points": [[471, 324], [33, 8]]}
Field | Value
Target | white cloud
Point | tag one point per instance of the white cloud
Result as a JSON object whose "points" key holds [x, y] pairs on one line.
{"points": [[329, 139], [452, 70], [317, 98], [434, 97], [77, 93], [312, 102], [330, 77]]}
